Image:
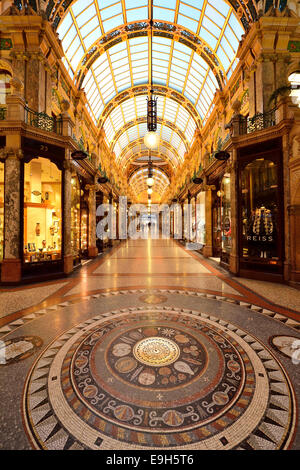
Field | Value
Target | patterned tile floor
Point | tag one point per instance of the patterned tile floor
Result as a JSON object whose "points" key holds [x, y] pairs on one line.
{"points": [[150, 346]]}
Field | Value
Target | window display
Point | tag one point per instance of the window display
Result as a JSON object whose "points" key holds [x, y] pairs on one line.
{"points": [[193, 220], [260, 209], [84, 229], [42, 211], [75, 217], [200, 218], [5, 78], [225, 218], [1, 210]]}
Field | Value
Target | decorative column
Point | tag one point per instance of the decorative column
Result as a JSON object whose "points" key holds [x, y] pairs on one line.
{"points": [[292, 245], [294, 218], [110, 242], [11, 265], [67, 247], [92, 248], [234, 198]]}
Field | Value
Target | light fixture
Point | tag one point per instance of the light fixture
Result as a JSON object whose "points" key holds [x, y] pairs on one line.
{"points": [[151, 139], [222, 155], [197, 180], [150, 180], [102, 180], [79, 155], [149, 191]]}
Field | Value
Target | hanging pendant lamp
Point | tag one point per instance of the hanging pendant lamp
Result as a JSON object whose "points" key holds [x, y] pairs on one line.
{"points": [[151, 139]]}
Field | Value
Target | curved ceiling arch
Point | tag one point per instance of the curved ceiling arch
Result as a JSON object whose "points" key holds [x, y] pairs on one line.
{"points": [[140, 158], [56, 10], [138, 181], [175, 63], [144, 171], [138, 146], [132, 105], [162, 123], [161, 90], [142, 29]]}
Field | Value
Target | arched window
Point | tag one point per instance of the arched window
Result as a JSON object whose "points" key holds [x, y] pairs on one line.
{"points": [[5, 78], [294, 80]]}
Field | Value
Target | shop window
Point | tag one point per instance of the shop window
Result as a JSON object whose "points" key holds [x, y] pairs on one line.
{"points": [[225, 218], [84, 228], [75, 217], [42, 211], [260, 211], [1, 210], [200, 218], [5, 78]]}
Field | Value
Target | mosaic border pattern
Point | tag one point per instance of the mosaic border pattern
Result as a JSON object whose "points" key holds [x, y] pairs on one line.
{"points": [[270, 432], [12, 326]]}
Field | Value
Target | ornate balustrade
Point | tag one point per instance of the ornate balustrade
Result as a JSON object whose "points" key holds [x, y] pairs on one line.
{"points": [[258, 122], [43, 121]]}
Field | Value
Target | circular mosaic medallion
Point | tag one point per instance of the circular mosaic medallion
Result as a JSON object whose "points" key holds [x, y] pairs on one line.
{"points": [[18, 349], [156, 351], [159, 379]]}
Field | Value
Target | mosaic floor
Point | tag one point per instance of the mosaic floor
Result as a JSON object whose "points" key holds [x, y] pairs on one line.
{"points": [[174, 355]]}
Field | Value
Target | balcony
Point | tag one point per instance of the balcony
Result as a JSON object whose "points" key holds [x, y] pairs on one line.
{"points": [[258, 122], [43, 121]]}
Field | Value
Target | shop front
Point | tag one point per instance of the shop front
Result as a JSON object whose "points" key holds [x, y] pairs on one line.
{"points": [[2, 166], [225, 208], [1, 210], [42, 216], [261, 248], [200, 220], [79, 219]]}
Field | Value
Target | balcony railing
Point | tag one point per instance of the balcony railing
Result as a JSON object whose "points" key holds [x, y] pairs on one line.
{"points": [[2, 114], [258, 122], [43, 121]]}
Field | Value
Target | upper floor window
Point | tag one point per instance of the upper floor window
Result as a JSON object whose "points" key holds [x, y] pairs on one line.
{"points": [[294, 80], [5, 78]]}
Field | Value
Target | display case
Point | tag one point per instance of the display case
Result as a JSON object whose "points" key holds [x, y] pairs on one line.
{"points": [[200, 218], [261, 211], [75, 218], [1, 211], [84, 223], [42, 212], [225, 219]]}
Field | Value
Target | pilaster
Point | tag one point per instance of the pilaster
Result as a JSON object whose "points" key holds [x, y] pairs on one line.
{"points": [[68, 257], [11, 271]]}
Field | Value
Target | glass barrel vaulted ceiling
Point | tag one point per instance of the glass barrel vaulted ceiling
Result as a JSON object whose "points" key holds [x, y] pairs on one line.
{"points": [[108, 51]]}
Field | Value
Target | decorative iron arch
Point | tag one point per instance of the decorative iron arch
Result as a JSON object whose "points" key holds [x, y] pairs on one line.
{"points": [[140, 141], [159, 90], [142, 28], [56, 10], [143, 119]]}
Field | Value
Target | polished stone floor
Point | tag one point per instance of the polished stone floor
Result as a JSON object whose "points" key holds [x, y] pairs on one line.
{"points": [[150, 346]]}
